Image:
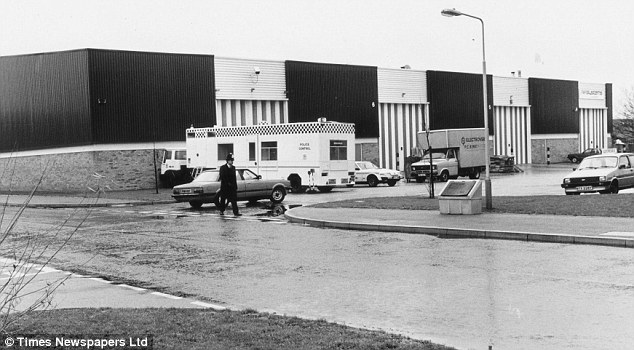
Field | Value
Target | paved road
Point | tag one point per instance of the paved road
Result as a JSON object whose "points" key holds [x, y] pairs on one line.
{"points": [[466, 293]]}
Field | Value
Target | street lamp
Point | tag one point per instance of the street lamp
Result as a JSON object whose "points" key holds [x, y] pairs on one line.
{"points": [[487, 178]]}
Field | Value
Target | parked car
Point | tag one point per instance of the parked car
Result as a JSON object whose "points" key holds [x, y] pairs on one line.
{"points": [[368, 172], [577, 157], [604, 173], [205, 188]]}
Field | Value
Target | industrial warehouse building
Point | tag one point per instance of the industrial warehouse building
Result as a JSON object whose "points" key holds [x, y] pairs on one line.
{"points": [[100, 118]]}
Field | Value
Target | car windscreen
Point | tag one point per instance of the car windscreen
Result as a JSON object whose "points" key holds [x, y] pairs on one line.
{"points": [[366, 165], [208, 176], [599, 162], [435, 155], [180, 155]]}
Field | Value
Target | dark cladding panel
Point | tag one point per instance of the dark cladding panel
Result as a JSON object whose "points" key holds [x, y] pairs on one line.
{"points": [[554, 106], [144, 96], [341, 93], [608, 104], [44, 101], [456, 100]]}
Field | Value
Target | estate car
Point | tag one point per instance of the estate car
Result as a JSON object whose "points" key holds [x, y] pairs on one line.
{"points": [[251, 187]]}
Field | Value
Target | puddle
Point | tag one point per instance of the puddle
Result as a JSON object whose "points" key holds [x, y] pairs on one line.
{"points": [[277, 210]]}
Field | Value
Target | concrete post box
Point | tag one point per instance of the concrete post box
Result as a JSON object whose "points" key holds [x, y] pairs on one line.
{"points": [[461, 197]]}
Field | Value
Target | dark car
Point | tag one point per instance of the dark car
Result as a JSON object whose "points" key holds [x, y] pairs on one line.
{"points": [[577, 157], [604, 173], [251, 187]]}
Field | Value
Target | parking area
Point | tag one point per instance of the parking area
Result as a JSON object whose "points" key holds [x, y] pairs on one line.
{"points": [[535, 180]]}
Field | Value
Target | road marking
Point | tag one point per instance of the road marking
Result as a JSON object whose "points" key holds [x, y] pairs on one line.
{"points": [[99, 280], [210, 306], [138, 289], [618, 234], [174, 297]]}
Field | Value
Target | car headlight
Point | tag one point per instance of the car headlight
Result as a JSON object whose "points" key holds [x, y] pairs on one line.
{"points": [[602, 178], [566, 181]]}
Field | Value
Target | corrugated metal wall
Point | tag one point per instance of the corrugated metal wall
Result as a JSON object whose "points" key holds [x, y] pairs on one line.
{"points": [[510, 91], [144, 97], [593, 120], [402, 86], [593, 128], [244, 97], [455, 100], [554, 106], [402, 107], [512, 133], [608, 104], [245, 112], [342, 93], [399, 127], [44, 101], [512, 119]]}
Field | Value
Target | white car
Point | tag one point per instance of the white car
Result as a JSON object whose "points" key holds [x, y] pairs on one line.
{"points": [[604, 173], [367, 172]]}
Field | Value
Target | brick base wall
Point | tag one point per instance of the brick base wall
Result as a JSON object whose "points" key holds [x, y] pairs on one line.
{"points": [[368, 151], [559, 150], [80, 172]]}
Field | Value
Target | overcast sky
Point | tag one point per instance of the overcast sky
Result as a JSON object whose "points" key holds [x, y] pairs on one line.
{"points": [[585, 40]]}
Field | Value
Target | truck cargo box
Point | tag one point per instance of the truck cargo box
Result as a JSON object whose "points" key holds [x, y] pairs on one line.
{"points": [[470, 143]]}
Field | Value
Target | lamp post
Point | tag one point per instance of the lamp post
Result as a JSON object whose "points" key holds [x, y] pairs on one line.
{"points": [[487, 178]]}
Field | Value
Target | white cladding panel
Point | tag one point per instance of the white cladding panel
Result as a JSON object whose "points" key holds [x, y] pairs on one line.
{"points": [[593, 128], [402, 86], [591, 95], [512, 125], [399, 125], [509, 91], [236, 79]]}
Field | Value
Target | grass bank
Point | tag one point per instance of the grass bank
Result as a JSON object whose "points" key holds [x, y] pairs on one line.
{"points": [[620, 205], [209, 330]]}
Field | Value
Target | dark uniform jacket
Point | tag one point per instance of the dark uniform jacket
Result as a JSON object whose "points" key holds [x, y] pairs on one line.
{"points": [[228, 181]]}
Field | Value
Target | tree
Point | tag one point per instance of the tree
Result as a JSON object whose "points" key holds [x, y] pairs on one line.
{"points": [[26, 254], [628, 105]]}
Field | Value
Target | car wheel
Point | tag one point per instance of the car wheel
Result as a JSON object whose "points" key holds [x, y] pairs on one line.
{"points": [[217, 200], [373, 181], [196, 204], [444, 176], [614, 187], [391, 182], [278, 194], [574, 160], [475, 175], [324, 189]]}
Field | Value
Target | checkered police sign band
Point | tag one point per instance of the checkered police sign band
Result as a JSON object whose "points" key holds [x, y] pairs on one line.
{"points": [[272, 129]]}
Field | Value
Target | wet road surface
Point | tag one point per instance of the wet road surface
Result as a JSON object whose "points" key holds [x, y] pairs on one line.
{"points": [[464, 293]]}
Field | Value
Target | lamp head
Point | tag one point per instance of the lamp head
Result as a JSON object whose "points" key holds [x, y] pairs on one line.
{"points": [[450, 13]]}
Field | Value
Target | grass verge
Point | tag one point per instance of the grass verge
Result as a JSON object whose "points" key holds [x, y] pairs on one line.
{"points": [[209, 330], [621, 205]]}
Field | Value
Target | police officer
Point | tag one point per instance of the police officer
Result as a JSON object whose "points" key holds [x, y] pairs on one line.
{"points": [[228, 186]]}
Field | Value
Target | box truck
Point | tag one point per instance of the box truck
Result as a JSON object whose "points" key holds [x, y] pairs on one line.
{"points": [[454, 153]]}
